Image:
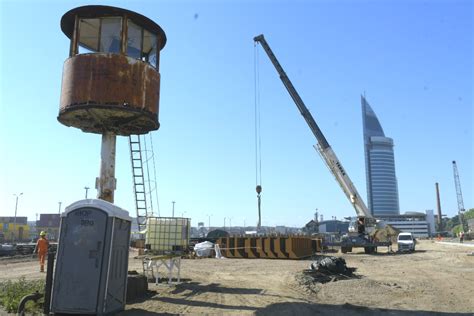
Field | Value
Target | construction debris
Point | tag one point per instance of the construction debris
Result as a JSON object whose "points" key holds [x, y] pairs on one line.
{"points": [[329, 269], [203, 249]]}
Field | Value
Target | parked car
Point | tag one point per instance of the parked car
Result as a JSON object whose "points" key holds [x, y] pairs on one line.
{"points": [[406, 242]]}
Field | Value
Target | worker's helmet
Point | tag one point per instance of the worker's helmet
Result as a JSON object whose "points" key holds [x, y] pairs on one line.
{"points": [[43, 233]]}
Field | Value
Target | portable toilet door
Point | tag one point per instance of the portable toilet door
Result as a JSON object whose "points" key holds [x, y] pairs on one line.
{"points": [[80, 258]]}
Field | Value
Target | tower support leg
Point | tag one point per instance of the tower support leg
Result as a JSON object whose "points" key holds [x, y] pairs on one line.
{"points": [[106, 182]]}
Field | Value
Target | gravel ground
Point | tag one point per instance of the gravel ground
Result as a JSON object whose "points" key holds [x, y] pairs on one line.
{"points": [[436, 279]]}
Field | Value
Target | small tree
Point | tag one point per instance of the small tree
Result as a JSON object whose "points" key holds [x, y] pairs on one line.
{"points": [[457, 229]]}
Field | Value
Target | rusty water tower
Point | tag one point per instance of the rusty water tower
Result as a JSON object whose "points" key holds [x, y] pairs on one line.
{"points": [[111, 80]]}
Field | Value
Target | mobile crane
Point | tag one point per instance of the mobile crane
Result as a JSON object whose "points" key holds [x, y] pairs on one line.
{"points": [[461, 208], [361, 226]]}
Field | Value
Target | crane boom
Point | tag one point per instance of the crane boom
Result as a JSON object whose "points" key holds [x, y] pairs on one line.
{"points": [[323, 146], [457, 183]]}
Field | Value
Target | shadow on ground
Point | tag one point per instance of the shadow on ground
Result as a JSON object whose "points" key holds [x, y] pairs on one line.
{"points": [[188, 290], [140, 312], [297, 308], [291, 308], [218, 307], [196, 288]]}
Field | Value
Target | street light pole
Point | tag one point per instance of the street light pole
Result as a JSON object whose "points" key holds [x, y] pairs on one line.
{"points": [[224, 223], [87, 189], [14, 220], [209, 217]]}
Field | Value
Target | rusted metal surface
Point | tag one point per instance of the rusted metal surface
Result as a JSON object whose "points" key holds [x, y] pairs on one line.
{"points": [[106, 182], [109, 93]]}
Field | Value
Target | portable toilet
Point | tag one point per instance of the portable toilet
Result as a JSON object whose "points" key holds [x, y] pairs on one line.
{"points": [[92, 259]]}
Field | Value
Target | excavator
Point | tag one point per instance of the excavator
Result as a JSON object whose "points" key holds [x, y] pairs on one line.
{"points": [[363, 225]]}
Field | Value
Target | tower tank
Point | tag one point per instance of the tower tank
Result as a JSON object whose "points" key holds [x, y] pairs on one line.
{"points": [[111, 80]]}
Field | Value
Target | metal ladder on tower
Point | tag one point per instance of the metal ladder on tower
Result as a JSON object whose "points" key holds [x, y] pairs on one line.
{"points": [[138, 180]]}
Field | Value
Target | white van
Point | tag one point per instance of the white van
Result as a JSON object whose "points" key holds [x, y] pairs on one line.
{"points": [[406, 242]]}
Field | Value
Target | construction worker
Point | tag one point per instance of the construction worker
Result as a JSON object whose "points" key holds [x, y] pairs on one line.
{"points": [[42, 248]]}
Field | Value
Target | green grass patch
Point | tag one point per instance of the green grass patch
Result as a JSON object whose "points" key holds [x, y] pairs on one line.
{"points": [[11, 292]]}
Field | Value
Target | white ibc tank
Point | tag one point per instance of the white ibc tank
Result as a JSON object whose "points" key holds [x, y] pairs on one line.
{"points": [[167, 234]]}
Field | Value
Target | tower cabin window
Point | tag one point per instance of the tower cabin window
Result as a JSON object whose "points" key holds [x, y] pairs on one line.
{"points": [[134, 40], [100, 35], [149, 48], [141, 44], [104, 35]]}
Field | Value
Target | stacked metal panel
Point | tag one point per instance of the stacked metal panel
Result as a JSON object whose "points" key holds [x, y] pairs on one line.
{"points": [[269, 247]]}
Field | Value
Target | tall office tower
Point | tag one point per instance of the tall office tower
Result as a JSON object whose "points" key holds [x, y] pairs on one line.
{"points": [[382, 188]]}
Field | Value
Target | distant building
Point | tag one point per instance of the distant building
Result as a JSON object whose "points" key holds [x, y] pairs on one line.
{"points": [[312, 227], [430, 219], [417, 223], [280, 230], [14, 229], [382, 187], [50, 224], [333, 226]]}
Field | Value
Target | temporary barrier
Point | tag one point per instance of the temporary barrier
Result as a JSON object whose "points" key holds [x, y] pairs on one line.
{"points": [[281, 247], [251, 248], [260, 247], [239, 251], [299, 247]]}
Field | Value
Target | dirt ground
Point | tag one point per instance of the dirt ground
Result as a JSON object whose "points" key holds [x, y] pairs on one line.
{"points": [[436, 279]]}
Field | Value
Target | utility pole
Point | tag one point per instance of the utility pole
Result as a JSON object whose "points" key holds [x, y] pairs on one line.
{"points": [[59, 211], [440, 220], [87, 189], [209, 223], [14, 221], [173, 208]]}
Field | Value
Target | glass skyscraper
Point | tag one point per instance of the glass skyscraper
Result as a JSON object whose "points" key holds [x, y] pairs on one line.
{"points": [[382, 188]]}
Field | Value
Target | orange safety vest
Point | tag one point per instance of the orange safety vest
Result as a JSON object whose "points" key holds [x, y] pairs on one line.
{"points": [[42, 245]]}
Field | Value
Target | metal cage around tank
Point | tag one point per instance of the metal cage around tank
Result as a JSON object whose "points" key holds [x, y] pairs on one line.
{"points": [[167, 235]]}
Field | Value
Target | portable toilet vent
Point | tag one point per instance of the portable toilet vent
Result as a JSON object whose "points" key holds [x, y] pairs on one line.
{"points": [[92, 259]]}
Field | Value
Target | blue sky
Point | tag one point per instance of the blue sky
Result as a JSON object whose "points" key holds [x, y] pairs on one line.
{"points": [[413, 59]]}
